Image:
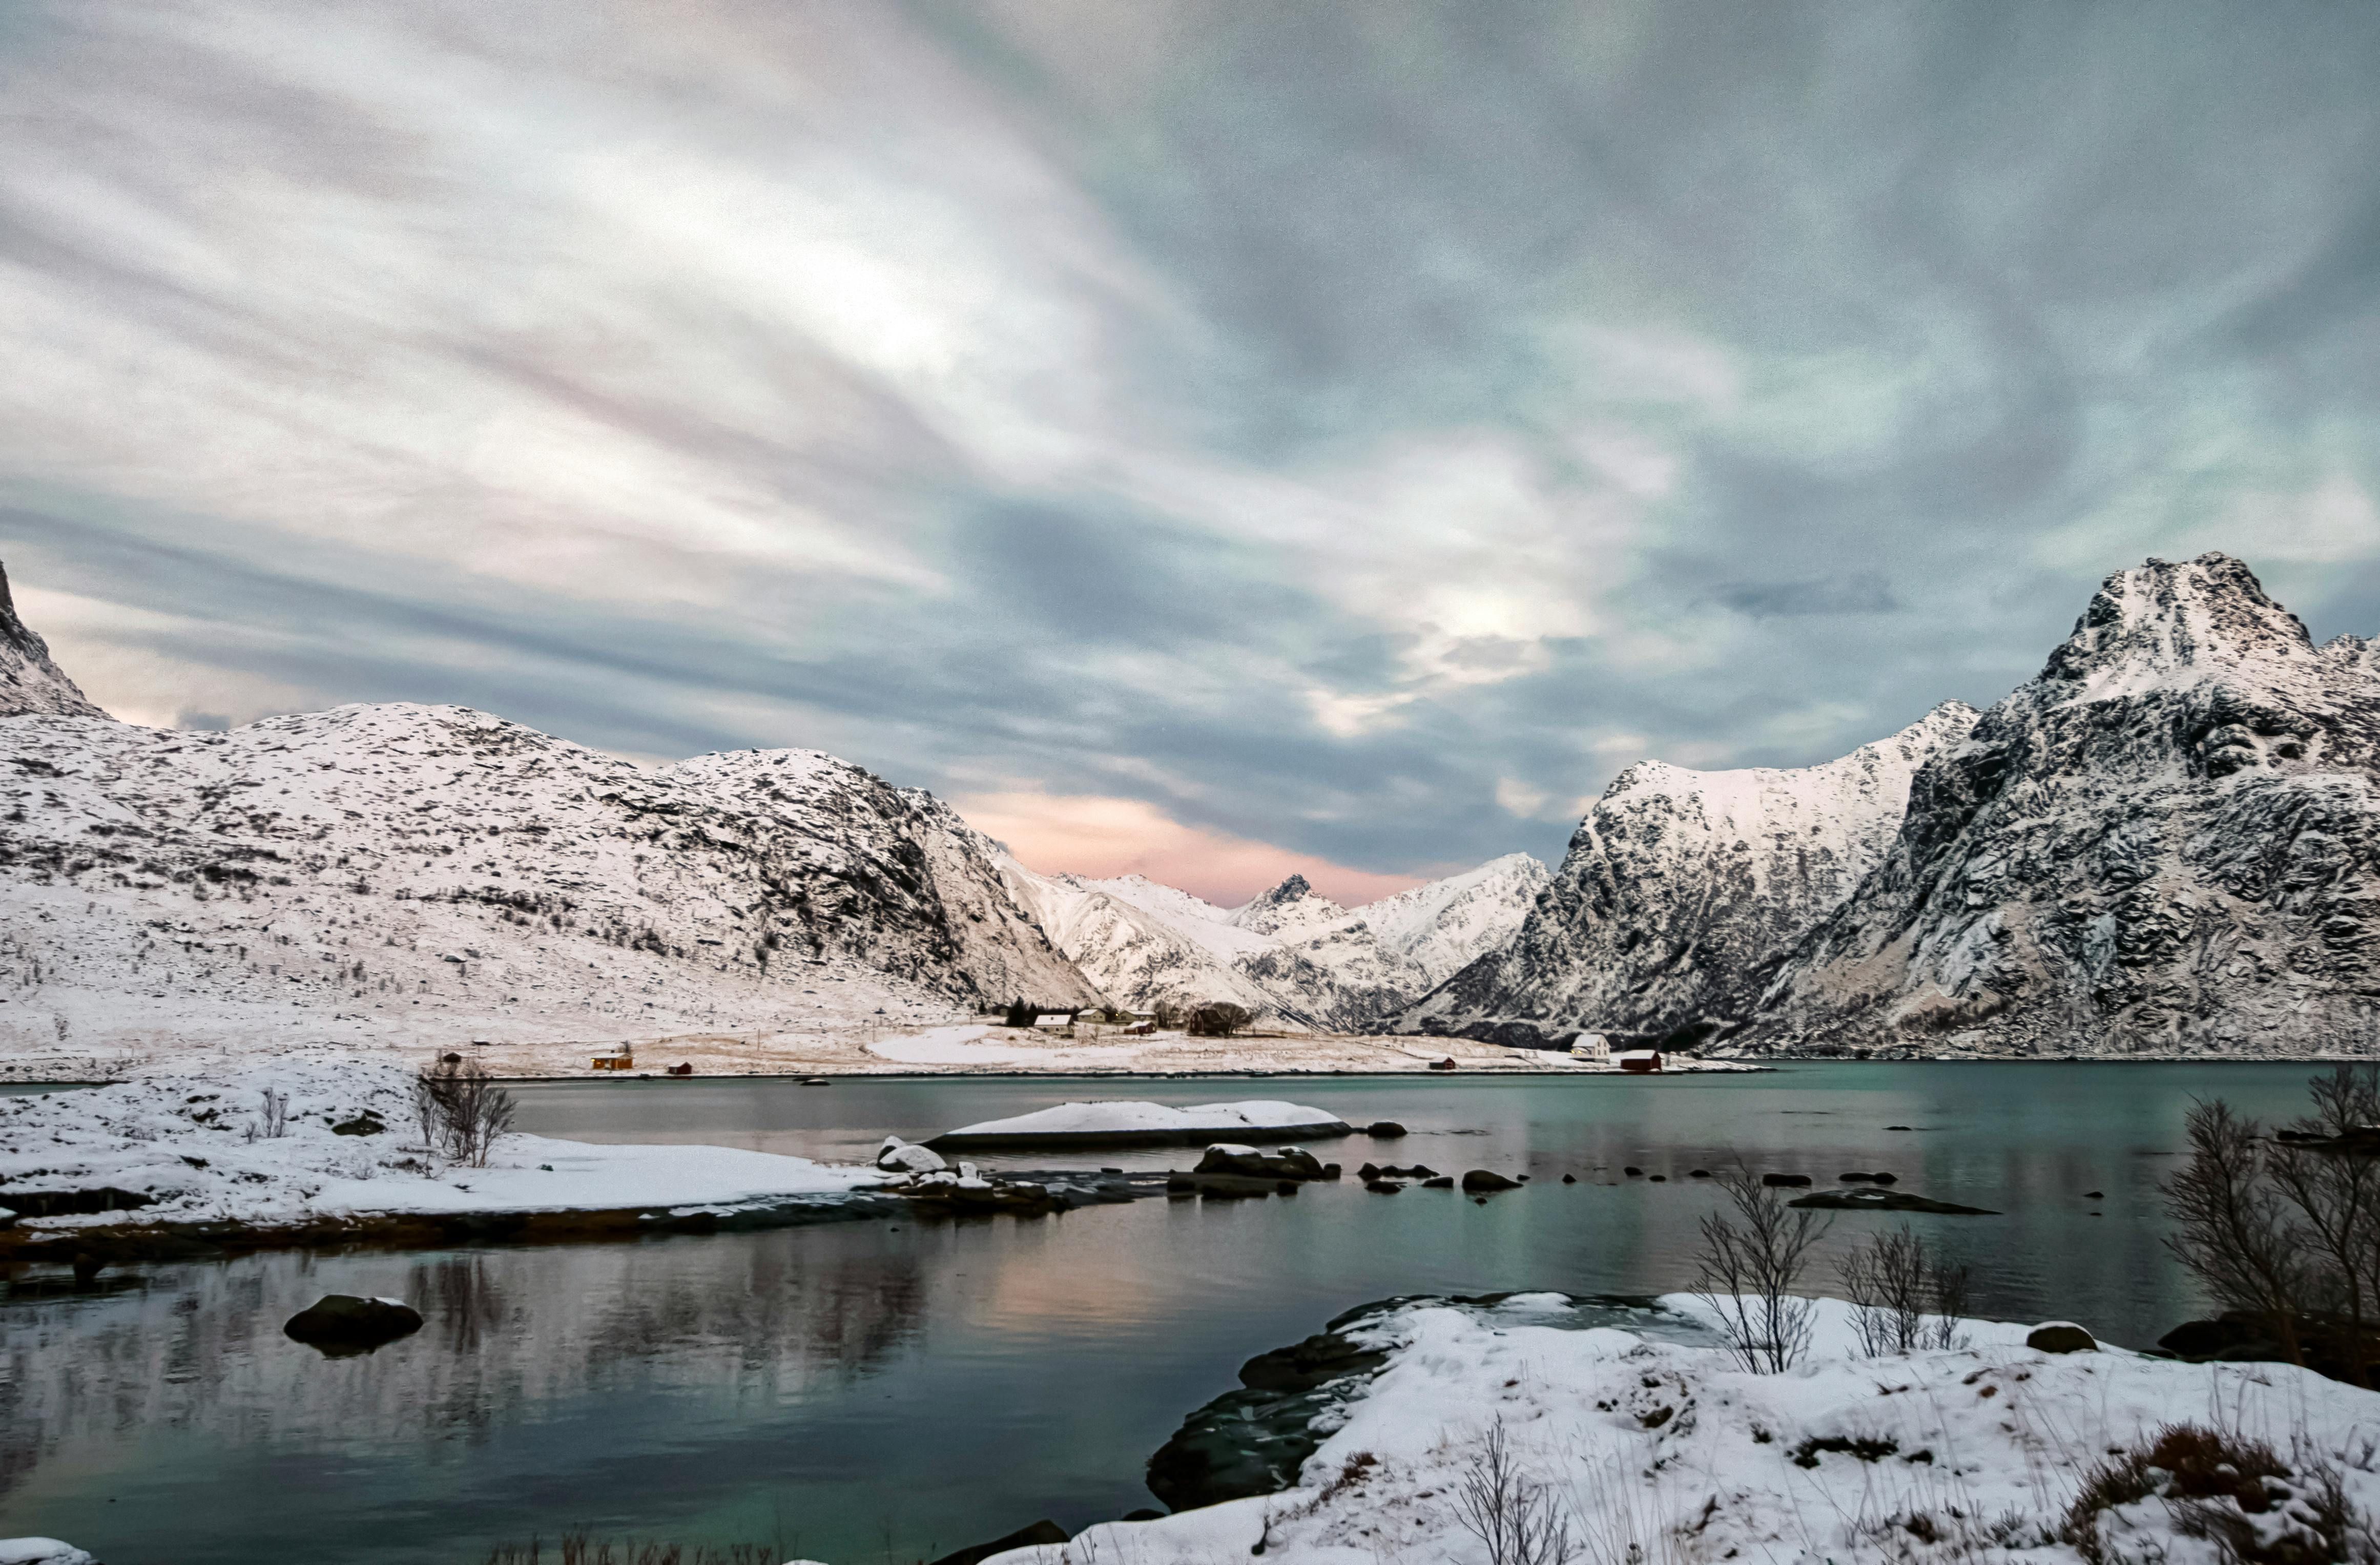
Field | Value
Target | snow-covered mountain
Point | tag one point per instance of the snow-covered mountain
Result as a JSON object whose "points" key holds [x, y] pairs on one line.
{"points": [[2168, 841], [1298, 956], [30, 681], [353, 872], [1679, 885]]}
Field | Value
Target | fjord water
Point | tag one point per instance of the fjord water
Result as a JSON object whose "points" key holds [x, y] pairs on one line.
{"points": [[873, 1391]]}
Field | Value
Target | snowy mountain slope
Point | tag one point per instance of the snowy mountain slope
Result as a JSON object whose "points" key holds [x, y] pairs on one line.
{"points": [[30, 681], [1443, 926], [2167, 840], [1679, 885], [1301, 958], [349, 869]]}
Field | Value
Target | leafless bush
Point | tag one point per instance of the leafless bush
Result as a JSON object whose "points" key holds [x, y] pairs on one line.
{"points": [[1521, 1520], [2336, 1196], [2287, 1229], [2233, 1230], [461, 1110], [1909, 1300], [1219, 1019], [271, 1122], [1752, 1256]]}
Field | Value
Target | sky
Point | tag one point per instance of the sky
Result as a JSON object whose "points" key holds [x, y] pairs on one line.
{"points": [[1210, 439]]}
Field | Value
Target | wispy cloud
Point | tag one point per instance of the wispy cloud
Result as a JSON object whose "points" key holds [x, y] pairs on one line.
{"points": [[1340, 434]]}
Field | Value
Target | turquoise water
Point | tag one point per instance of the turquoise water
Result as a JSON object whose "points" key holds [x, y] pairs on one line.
{"points": [[874, 1391]]}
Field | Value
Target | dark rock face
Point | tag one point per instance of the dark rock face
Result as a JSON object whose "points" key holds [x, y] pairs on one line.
{"points": [[2169, 842], [1253, 1442], [30, 681], [337, 1325], [1679, 888]]}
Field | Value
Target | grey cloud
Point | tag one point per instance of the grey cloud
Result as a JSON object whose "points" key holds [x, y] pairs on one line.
{"points": [[1038, 393], [1863, 592]]}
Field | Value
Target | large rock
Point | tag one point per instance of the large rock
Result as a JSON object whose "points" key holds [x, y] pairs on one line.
{"points": [[340, 1324], [1290, 1162], [2060, 1337], [897, 1156]]}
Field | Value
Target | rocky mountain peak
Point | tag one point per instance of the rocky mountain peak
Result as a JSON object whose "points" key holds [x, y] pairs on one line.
{"points": [[30, 681], [2163, 621], [1289, 890]]}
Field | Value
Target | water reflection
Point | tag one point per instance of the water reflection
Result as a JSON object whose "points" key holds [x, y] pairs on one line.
{"points": [[869, 1388]]}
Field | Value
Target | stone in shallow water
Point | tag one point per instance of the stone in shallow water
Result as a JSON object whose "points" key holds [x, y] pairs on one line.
{"points": [[337, 1325], [1478, 1180]]}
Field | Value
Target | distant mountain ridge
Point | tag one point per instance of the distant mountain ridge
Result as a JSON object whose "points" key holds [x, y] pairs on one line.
{"points": [[1289, 952], [1680, 884], [2168, 842], [394, 870]]}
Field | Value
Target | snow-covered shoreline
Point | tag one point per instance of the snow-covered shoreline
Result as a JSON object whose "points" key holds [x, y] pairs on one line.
{"points": [[327, 1148], [887, 1049], [1661, 1450]]}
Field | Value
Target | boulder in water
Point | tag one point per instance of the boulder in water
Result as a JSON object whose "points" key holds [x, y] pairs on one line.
{"points": [[1290, 1162], [337, 1325], [1478, 1179], [897, 1156], [1384, 1129]]}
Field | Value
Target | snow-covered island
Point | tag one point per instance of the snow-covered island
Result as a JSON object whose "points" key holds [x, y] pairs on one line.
{"points": [[1144, 1124], [1654, 1444], [314, 1151]]}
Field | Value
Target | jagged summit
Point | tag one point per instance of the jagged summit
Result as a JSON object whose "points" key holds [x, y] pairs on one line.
{"points": [[2163, 621], [1294, 904], [30, 681]]}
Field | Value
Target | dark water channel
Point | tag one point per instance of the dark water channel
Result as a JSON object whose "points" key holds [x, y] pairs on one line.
{"points": [[873, 1391]]}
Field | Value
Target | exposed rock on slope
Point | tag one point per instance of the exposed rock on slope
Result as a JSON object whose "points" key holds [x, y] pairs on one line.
{"points": [[362, 867], [1298, 956], [2168, 841], [1679, 885], [30, 681]]}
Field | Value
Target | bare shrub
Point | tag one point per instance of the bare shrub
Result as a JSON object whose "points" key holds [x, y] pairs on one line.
{"points": [[2233, 1227], [2336, 1196], [1751, 1258], [271, 1122], [2235, 1493], [461, 1110], [1908, 1299], [1519, 1518]]}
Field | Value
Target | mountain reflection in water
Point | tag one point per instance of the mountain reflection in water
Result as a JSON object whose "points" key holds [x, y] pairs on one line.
{"points": [[876, 1391]]}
